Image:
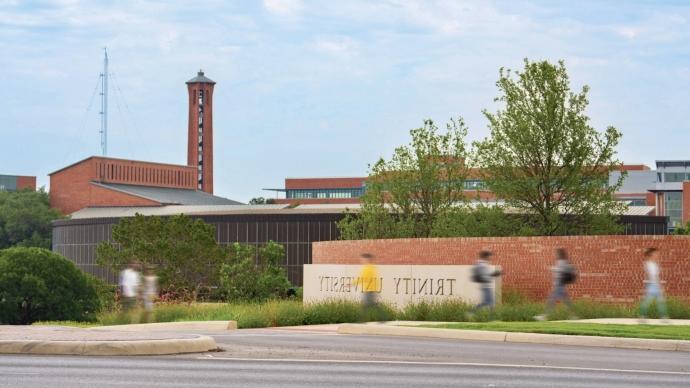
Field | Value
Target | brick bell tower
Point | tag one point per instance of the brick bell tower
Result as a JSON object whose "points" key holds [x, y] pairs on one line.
{"points": [[200, 141]]}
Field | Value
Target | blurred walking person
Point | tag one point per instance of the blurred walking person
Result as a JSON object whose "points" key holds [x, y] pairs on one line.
{"points": [[563, 274], [130, 282], [149, 293], [484, 276], [653, 291], [370, 283]]}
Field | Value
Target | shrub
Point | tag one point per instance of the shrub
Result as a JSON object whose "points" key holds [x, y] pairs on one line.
{"points": [[415, 312], [39, 285], [287, 313], [242, 278], [336, 311], [512, 296], [678, 309], [106, 292]]}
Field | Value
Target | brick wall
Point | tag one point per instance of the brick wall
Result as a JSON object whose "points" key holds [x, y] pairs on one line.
{"points": [[651, 199], [610, 267], [26, 182], [132, 172], [71, 190]]}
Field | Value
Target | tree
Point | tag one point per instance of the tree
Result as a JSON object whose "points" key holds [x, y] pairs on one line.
{"points": [[261, 201], [25, 219], [245, 278], [481, 220], [407, 194], [682, 230], [183, 249], [39, 285], [545, 159]]}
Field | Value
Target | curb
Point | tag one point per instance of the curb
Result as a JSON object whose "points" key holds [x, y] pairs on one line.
{"points": [[199, 344], [503, 336], [190, 326]]}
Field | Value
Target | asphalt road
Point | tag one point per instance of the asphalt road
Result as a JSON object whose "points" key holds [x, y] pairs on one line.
{"points": [[287, 358]]}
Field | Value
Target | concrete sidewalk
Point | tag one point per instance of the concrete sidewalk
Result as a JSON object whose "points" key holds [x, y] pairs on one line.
{"points": [[99, 342], [183, 327]]}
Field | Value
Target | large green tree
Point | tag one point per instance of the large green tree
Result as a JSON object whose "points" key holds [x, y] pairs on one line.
{"points": [[409, 193], [183, 249], [37, 285], [25, 219], [545, 159]]}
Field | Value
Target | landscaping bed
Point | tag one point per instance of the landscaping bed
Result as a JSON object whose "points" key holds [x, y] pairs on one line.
{"points": [[294, 313]]}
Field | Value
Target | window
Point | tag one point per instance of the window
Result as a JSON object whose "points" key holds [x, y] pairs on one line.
{"points": [[324, 193], [674, 208], [674, 176], [473, 184]]}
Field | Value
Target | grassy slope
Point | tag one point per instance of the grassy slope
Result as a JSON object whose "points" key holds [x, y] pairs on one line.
{"points": [[594, 329]]}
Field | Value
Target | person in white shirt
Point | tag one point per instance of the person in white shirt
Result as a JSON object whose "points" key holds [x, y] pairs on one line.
{"points": [[653, 291], [130, 281]]}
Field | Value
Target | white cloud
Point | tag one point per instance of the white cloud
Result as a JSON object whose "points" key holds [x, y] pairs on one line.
{"points": [[337, 46], [283, 7], [629, 32]]}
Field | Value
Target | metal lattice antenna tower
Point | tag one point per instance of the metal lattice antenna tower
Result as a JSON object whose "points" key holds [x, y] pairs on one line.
{"points": [[104, 104]]}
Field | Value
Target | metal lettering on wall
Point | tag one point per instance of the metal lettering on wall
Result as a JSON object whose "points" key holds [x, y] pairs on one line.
{"points": [[396, 284]]}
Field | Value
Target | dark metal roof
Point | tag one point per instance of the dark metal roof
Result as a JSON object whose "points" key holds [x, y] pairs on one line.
{"points": [[201, 79], [169, 196]]}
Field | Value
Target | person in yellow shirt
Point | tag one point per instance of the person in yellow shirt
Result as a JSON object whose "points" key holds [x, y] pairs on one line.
{"points": [[369, 281]]}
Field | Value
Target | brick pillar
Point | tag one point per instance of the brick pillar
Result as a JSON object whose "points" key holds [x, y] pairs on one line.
{"points": [[200, 130], [686, 202]]}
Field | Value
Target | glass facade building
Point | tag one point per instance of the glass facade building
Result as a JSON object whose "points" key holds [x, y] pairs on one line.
{"points": [[669, 190], [78, 239], [17, 182], [673, 205], [8, 183], [354, 192]]}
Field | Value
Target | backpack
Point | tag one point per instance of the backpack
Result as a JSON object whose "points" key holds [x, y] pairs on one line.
{"points": [[569, 275], [477, 274]]}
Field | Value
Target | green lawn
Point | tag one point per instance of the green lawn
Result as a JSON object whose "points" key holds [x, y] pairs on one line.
{"points": [[596, 329]]}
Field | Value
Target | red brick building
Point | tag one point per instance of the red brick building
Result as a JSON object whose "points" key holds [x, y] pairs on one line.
{"points": [[321, 190], [17, 182], [103, 181], [348, 190]]}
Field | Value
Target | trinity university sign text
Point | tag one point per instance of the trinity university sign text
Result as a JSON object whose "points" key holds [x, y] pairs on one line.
{"points": [[395, 284]]}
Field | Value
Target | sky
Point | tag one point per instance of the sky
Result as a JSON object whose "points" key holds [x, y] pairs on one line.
{"points": [[322, 88]]}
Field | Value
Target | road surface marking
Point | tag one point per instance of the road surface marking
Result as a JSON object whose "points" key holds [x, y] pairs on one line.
{"points": [[398, 362], [282, 334]]}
